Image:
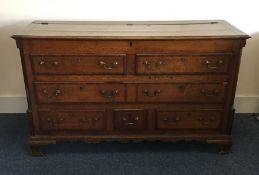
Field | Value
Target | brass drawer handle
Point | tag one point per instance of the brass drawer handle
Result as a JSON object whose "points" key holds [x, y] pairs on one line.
{"points": [[49, 120], [211, 65], [41, 62], [59, 120], [131, 124], [45, 92], [135, 118], [89, 120], [109, 94], [105, 66], [174, 120], [57, 92], [55, 63], [156, 64], [206, 121], [214, 92], [157, 92]]}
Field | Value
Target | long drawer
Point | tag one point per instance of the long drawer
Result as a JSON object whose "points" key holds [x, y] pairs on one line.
{"points": [[72, 119], [182, 92], [78, 64], [144, 93], [79, 92], [182, 64], [204, 119]]}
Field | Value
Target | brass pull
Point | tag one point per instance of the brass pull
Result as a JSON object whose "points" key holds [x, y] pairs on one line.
{"points": [[131, 123], [96, 118], [109, 94], [41, 62], [56, 120], [206, 122], [215, 92], [57, 92], [89, 120], [45, 92], [148, 94], [147, 63], [176, 119], [55, 63], [216, 65], [48, 120], [156, 64], [104, 65], [136, 118]]}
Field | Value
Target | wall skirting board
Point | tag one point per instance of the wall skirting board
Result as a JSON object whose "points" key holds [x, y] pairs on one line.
{"points": [[246, 104], [18, 104]]}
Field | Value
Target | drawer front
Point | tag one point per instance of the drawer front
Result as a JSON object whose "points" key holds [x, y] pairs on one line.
{"points": [[184, 46], [182, 64], [130, 119], [76, 92], [90, 64], [72, 120], [75, 46], [185, 92], [188, 119]]}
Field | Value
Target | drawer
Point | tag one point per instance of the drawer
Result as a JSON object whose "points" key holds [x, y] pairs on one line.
{"points": [[79, 92], [182, 92], [73, 64], [182, 64], [130, 119], [188, 119], [72, 120]]}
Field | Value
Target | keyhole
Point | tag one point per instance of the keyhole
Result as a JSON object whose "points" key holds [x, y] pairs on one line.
{"points": [[130, 43]]}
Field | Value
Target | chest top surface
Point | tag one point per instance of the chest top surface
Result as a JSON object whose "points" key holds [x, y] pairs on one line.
{"points": [[132, 30]]}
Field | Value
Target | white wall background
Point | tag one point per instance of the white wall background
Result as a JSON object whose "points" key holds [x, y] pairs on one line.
{"points": [[16, 14]]}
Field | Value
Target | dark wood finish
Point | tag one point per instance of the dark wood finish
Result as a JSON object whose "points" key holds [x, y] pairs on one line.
{"points": [[133, 81]]}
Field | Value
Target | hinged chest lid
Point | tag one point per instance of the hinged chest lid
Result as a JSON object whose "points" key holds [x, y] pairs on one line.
{"points": [[132, 29]]}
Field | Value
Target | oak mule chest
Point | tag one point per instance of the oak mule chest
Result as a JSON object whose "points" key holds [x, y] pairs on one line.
{"points": [[130, 81]]}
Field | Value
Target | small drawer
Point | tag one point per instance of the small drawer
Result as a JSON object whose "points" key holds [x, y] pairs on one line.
{"points": [[182, 64], [182, 92], [79, 92], [87, 64], [188, 119], [130, 119], [72, 120]]}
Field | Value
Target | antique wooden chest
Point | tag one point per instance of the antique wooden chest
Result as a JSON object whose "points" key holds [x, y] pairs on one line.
{"points": [[130, 81]]}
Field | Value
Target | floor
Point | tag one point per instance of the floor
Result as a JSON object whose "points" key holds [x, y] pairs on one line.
{"points": [[152, 158]]}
